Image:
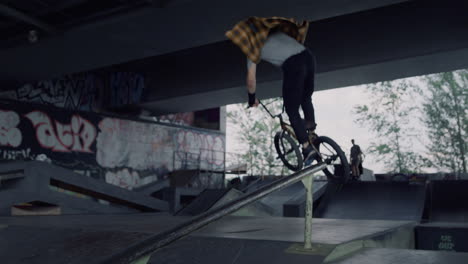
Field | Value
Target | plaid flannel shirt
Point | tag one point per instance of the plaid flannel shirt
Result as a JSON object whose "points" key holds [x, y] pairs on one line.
{"points": [[250, 34]]}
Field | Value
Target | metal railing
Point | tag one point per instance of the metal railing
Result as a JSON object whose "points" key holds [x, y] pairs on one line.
{"points": [[203, 159], [143, 250]]}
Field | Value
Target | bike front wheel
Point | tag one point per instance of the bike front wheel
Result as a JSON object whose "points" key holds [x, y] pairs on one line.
{"points": [[337, 169], [288, 151]]}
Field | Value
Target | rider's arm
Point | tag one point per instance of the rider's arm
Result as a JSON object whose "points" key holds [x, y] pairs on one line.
{"points": [[251, 82], [251, 76]]}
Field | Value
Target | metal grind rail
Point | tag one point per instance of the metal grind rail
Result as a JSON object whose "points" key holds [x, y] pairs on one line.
{"points": [[141, 252]]}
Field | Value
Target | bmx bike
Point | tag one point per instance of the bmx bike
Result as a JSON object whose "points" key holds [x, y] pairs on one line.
{"points": [[289, 151]]}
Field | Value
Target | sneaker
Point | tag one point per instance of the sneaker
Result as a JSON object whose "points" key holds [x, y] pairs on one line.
{"points": [[311, 134], [309, 154]]}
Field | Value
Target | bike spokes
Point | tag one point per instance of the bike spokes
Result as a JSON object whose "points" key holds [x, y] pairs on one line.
{"points": [[288, 151], [331, 159], [337, 164]]}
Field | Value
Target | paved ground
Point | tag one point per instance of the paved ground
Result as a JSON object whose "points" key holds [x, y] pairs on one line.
{"points": [[326, 231], [392, 256], [210, 250], [86, 239]]}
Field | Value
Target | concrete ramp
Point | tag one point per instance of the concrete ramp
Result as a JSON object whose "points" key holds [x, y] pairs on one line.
{"points": [[209, 199], [442, 236], [204, 201], [60, 191], [295, 205], [288, 202], [448, 201], [373, 201], [447, 213], [257, 208]]}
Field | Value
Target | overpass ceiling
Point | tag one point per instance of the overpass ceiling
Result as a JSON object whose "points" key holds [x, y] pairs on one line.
{"points": [[189, 64], [81, 35], [402, 40]]}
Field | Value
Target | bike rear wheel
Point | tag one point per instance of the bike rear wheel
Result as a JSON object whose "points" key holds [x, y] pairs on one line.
{"points": [[337, 169], [288, 151]]}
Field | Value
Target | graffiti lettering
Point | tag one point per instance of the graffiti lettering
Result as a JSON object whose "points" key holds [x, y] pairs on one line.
{"points": [[185, 119], [140, 146], [10, 135], [79, 136], [70, 92], [127, 153], [446, 243], [20, 154], [126, 88], [83, 91], [210, 147], [129, 179]]}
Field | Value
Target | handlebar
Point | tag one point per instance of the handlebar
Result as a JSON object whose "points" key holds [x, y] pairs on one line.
{"points": [[266, 109]]}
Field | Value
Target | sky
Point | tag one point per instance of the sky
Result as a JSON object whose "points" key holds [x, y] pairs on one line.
{"points": [[334, 118]]}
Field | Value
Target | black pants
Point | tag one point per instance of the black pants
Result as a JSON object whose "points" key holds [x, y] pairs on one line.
{"points": [[298, 86]]}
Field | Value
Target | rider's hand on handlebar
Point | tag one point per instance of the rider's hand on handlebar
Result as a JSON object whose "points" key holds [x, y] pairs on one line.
{"points": [[254, 104]]}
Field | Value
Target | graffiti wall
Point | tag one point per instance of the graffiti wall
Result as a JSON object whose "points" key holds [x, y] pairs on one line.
{"points": [[122, 152], [84, 92], [104, 92], [184, 119], [125, 88]]}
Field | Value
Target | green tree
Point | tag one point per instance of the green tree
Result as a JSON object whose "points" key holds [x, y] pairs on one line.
{"points": [[257, 131], [388, 116], [445, 115]]}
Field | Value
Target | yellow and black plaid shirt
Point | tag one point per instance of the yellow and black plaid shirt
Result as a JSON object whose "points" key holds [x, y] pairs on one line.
{"points": [[250, 34]]}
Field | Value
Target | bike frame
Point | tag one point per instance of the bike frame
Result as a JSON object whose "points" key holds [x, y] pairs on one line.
{"points": [[284, 126]]}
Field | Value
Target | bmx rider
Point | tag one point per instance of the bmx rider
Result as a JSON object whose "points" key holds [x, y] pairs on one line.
{"points": [[279, 41]]}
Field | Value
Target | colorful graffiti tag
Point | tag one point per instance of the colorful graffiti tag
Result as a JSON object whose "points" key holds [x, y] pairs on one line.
{"points": [[185, 119], [10, 135], [77, 136], [123, 152], [148, 146], [210, 148]]}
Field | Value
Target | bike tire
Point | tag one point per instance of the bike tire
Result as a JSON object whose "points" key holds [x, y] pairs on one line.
{"points": [[341, 171], [280, 139]]}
